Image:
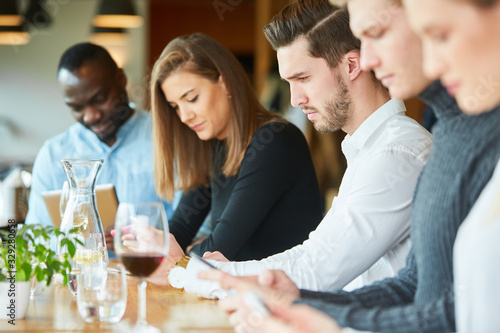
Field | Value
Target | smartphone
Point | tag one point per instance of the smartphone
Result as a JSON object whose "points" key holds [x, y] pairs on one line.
{"points": [[200, 259], [255, 302]]}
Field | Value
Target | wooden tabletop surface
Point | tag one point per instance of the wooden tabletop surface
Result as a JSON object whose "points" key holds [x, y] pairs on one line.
{"points": [[170, 310]]}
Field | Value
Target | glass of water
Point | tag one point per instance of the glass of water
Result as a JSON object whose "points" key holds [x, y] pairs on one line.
{"points": [[102, 293]]}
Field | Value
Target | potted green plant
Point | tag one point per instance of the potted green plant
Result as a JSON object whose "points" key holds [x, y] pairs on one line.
{"points": [[26, 255]]}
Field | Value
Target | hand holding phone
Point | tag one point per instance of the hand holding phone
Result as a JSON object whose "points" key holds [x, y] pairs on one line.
{"points": [[200, 259], [255, 302]]}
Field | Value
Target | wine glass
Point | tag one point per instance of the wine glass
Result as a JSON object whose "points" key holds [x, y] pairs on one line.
{"points": [[141, 242]]}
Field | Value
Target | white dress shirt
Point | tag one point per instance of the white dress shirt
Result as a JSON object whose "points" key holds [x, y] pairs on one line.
{"points": [[364, 237], [476, 264]]}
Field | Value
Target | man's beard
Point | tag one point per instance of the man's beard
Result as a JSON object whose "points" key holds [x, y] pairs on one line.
{"points": [[116, 119], [337, 111]]}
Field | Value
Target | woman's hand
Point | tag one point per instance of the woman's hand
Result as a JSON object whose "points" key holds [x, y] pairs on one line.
{"points": [[175, 253], [216, 255], [195, 242]]}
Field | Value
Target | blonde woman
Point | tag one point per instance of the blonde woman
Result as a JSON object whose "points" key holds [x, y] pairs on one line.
{"points": [[246, 166]]}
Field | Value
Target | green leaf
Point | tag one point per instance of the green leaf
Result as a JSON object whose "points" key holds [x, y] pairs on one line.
{"points": [[27, 270], [74, 230], [71, 249], [39, 274], [20, 243], [30, 238], [37, 232], [49, 279], [56, 265], [21, 276], [65, 278]]}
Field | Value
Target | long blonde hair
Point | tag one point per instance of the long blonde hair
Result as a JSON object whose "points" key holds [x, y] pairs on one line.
{"points": [[179, 154]]}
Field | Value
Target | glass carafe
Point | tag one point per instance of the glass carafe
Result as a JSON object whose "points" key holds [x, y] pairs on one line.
{"points": [[81, 215]]}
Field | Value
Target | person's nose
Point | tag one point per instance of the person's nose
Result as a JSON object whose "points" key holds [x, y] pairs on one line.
{"points": [[185, 114], [297, 95], [433, 64], [369, 59], [91, 114]]}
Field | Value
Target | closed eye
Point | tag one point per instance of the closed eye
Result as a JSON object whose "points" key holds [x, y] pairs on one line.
{"points": [[192, 100], [376, 34], [439, 37]]}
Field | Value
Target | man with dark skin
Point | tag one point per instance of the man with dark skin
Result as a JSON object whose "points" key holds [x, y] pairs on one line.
{"points": [[95, 93], [108, 127]]}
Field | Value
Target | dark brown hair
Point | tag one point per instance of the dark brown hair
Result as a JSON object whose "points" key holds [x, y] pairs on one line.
{"points": [[343, 3], [483, 3], [179, 153], [325, 27]]}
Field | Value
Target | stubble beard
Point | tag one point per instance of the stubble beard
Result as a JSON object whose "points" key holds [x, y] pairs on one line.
{"points": [[337, 111]]}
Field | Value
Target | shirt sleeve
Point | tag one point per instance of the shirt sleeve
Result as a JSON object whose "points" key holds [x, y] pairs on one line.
{"points": [[436, 316], [43, 179], [190, 213], [386, 306], [268, 170], [358, 230]]}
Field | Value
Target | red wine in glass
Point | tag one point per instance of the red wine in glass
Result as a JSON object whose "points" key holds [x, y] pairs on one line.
{"points": [[141, 241], [141, 264]]}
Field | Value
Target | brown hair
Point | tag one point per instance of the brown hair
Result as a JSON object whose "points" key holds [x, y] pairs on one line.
{"points": [[483, 3], [343, 3], [182, 160], [325, 27]]}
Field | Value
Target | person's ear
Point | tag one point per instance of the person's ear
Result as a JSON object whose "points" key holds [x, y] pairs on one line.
{"points": [[496, 9], [122, 78], [223, 86], [353, 61]]}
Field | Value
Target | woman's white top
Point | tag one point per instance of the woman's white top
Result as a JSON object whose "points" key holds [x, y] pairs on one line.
{"points": [[477, 264]]}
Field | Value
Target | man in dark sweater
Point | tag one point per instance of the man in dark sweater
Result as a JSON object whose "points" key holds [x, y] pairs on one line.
{"points": [[420, 298]]}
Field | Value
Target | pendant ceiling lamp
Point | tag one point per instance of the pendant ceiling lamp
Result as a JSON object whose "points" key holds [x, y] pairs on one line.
{"points": [[117, 14], [9, 16], [11, 24], [115, 40], [109, 36], [13, 35]]}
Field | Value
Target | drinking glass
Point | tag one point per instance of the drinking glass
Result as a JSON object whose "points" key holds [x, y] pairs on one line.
{"points": [[141, 242], [102, 293]]}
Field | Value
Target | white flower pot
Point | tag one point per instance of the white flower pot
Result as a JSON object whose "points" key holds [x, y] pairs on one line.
{"points": [[14, 299]]}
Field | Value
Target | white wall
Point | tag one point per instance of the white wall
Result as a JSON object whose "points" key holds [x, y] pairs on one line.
{"points": [[31, 106]]}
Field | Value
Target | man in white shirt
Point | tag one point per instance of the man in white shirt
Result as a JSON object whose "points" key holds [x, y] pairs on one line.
{"points": [[365, 235]]}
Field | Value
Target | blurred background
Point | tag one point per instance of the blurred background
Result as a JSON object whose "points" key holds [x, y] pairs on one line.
{"points": [[31, 106]]}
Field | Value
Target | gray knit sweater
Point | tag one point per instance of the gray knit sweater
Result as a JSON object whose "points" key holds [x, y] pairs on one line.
{"points": [[420, 298]]}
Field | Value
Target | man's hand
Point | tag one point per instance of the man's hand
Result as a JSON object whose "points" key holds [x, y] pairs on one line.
{"points": [[242, 284], [278, 280], [175, 253]]}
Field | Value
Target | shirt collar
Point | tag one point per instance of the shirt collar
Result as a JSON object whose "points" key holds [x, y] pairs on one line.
{"points": [[352, 144], [124, 129], [120, 135]]}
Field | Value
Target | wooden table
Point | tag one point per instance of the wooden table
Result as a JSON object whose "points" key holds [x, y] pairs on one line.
{"points": [[170, 310]]}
